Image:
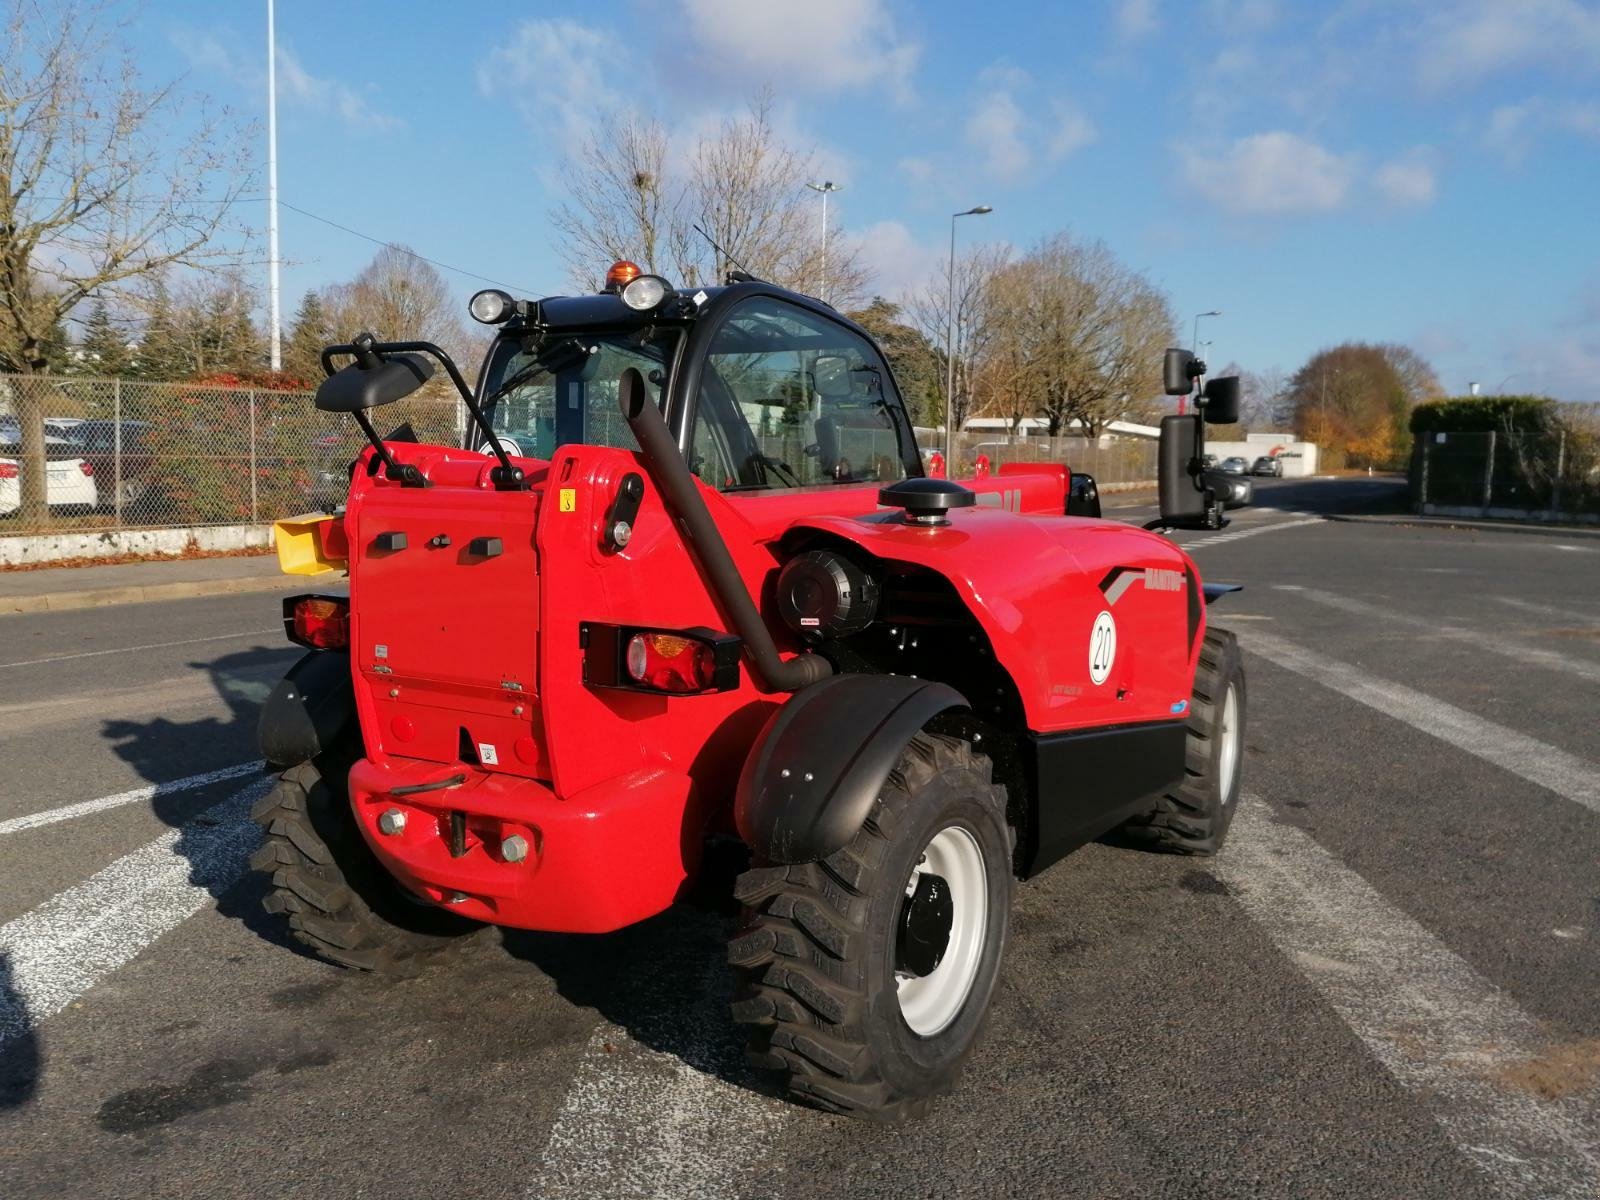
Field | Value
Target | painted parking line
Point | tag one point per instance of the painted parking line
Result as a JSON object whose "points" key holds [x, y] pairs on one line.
{"points": [[1220, 539], [133, 796], [1538, 762], [58, 951], [1547, 610], [59, 658], [1445, 1033], [1499, 643], [644, 1123]]}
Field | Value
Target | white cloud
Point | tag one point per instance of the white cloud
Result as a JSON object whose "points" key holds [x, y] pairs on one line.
{"points": [[555, 67], [995, 130], [814, 46], [1135, 18], [1009, 140], [1472, 39], [1513, 128], [896, 261], [1409, 181], [1274, 173], [297, 87], [1073, 131]]}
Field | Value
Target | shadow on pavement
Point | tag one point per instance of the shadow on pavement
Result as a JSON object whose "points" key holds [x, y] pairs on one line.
{"points": [[243, 680], [664, 982], [20, 1059], [1374, 494]]}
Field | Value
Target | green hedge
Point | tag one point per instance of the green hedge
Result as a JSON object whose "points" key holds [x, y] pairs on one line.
{"points": [[1483, 414]]}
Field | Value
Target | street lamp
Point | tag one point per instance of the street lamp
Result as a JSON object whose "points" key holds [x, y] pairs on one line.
{"points": [[1194, 340], [950, 338], [826, 186]]}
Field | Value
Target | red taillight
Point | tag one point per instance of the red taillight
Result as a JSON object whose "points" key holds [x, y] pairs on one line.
{"points": [[320, 622], [8, 470], [86, 466], [668, 661]]}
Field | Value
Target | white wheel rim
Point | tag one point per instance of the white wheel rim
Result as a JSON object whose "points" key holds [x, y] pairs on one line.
{"points": [[1230, 734], [931, 1002]]}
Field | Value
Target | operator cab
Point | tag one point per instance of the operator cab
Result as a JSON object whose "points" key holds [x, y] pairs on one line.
{"points": [[763, 388]]}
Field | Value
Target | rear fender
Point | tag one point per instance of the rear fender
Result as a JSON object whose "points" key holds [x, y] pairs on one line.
{"points": [[823, 758], [308, 710]]}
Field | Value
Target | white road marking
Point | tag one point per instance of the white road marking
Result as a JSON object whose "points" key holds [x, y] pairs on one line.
{"points": [[221, 637], [133, 796], [58, 951], [1496, 642], [1538, 762], [643, 1123], [1547, 610], [1439, 1028], [1218, 539]]}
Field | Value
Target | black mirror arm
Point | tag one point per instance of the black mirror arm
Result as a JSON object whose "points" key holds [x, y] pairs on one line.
{"points": [[407, 474], [506, 476]]}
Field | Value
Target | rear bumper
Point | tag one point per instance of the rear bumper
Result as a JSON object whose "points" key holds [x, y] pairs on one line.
{"points": [[607, 857]]}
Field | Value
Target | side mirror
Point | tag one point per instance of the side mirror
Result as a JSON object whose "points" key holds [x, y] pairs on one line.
{"points": [[1178, 373], [371, 381], [1186, 503], [830, 376], [1221, 400], [1083, 498]]}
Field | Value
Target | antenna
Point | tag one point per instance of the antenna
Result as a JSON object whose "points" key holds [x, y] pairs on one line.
{"points": [[748, 275]]}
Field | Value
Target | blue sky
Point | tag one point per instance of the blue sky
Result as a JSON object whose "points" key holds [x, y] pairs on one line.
{"points": [[1391, 170]]}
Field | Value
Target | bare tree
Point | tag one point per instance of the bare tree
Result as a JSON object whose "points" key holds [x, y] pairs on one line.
{"points": [[401, 297], [635, 195], [1076, 336], [958, 322], [95, 189]]}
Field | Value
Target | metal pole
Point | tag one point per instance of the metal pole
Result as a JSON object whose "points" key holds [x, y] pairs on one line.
{"points": [[254, 514], [274, 320], [950, 356], [1422, 483], [822, 293], [1488, 475], [1561, 464], [116, 447]]}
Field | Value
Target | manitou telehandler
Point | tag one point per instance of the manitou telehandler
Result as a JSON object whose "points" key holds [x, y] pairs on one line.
{"points": [[687, 580]]}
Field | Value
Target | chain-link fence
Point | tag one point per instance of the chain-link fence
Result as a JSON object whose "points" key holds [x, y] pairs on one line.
{"points": [[1118, 461], [1551, 474], [121, 454]]}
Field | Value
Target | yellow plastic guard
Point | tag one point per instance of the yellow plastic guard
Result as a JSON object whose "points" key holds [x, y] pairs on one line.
{"points": [[300, 548]]}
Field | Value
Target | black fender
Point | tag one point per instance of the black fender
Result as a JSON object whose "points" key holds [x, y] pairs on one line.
{"points": [[818, 766], [308, 709]]}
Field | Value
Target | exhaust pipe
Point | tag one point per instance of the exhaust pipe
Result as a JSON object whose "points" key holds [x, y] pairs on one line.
{"points": [[682, 493]]}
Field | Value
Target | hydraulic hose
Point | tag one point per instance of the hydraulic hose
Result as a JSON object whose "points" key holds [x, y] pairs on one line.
{"points": [[682, 494]]}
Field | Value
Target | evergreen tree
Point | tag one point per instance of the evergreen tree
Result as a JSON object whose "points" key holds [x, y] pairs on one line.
{"points": [[103, 350], [310, 332], [158, 355]]}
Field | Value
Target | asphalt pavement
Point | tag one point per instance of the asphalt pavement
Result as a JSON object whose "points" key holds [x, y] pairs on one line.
{"points": [[1387, 985]]}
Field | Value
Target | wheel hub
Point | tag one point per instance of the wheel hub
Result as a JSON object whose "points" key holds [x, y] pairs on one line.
{"points": [[925, 922]]}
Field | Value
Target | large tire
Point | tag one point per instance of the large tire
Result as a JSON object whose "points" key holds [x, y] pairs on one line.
{"points": [[1194, 817], [818, 956], [325, 881]]}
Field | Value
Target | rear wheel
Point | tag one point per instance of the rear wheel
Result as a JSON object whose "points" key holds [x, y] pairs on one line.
{"points": [[328, 885], [1194, 817], [866, 976]]}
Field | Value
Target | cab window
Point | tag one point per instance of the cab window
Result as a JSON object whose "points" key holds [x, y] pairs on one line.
{"points": [[790, 399], [563, 389]]}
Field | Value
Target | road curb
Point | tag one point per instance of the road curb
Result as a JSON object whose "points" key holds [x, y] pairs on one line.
{"points": [[1420, 522], [139, 594]]}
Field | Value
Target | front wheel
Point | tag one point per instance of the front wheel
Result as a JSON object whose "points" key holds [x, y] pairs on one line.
{"points": [[866, 976], [1193, 818]]}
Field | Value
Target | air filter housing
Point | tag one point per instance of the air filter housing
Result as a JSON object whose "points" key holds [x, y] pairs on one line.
{"points": [[823, 594]]}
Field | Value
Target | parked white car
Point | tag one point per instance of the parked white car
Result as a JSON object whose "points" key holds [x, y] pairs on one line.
{"points": [[69, 479]]}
